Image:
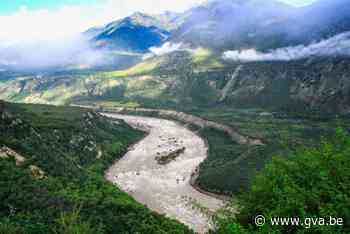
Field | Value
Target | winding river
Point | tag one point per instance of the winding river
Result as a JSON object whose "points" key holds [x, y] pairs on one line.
{"points": [[165, 188]]}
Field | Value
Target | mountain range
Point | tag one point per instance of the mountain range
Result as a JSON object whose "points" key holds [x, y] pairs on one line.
{"points": [[260, 81], [250, 53], [229, 24]]}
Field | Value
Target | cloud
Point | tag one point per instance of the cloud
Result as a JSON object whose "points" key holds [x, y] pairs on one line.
{"points": [[338, 45], [43, 24], [167, 48], [26, 25], [75, 51], [39, 38]]}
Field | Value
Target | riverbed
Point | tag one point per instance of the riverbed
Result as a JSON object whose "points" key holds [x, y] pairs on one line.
{"points": [[165, 188]]}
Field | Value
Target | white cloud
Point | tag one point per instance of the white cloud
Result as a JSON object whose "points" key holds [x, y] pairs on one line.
{"points": [[53, 53], [66, 21], [166, 48], [45, 38], [338, 45]]}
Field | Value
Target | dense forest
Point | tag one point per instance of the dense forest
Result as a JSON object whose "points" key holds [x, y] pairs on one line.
{"points": [[313, 184], [52, 161]]}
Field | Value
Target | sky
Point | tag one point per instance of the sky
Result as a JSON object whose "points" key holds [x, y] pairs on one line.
{"points": [[11, 6], [26, 20]]}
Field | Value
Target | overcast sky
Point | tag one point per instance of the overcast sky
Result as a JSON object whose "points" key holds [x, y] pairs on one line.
{"points": [[25, 20]]}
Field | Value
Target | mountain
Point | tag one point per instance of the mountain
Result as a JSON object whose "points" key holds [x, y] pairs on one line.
{"points": [[313, 77], [228, 24], [323, 19], [137, 32], [264, 25], [293, 82], [233, 23]]}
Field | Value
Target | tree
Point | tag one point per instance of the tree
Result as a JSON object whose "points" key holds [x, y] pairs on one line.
{"points": [[313, 183]]}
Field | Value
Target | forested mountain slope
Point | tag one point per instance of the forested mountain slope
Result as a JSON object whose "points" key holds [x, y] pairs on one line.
{"points": [[52, 161]]}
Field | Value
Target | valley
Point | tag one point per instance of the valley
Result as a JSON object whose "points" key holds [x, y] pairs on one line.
{"points": [[178, 81], [281, 103], [58, 186], [152, 122]]}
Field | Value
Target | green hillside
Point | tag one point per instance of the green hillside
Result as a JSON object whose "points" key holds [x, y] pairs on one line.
{"points": [[309, 191], [197, 78], [278, 102], [52, 161]]}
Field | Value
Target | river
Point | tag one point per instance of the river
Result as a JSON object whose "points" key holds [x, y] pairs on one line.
{"points": [[165, 188]]}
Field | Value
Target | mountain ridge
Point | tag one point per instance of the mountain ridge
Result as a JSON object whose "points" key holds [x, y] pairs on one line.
{"points": [[233, 24]]}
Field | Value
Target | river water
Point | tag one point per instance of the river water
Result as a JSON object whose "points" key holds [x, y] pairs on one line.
{"points": [[166, 188]]}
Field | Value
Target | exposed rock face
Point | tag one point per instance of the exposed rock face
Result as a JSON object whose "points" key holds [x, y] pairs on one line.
{"points": [[309, 85], [37, 172], [230, 84], [6, 152], [314, 84], [99, 154]]}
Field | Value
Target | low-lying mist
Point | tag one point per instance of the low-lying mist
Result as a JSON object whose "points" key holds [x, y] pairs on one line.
{"points": [[73, 52], [338, 45], [167, 48]]}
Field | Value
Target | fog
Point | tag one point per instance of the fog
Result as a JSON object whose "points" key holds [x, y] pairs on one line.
{"points": [[75, 51], [338, 45], [258, 25], [167, 48], [41, 38]]}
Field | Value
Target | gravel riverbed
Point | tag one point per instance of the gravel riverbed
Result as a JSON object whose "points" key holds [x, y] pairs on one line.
{"points": [[166, 188]]}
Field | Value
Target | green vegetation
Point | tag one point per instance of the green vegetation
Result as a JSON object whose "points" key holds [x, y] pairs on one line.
{"points": [[313, 183], [111, 104], [72, 147], [205, 59], [139, 69], [229, 166], [184, 79], [70, 223], [285, 104], [147, 82]]}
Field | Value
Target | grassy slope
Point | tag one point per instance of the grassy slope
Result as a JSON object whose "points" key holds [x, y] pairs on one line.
{"points": [[140, 83], [140, 68], [65, 143]]}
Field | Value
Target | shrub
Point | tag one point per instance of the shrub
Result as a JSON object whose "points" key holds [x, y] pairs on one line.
{"points": [[71, 223], [313, 183], [6, 227]]}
